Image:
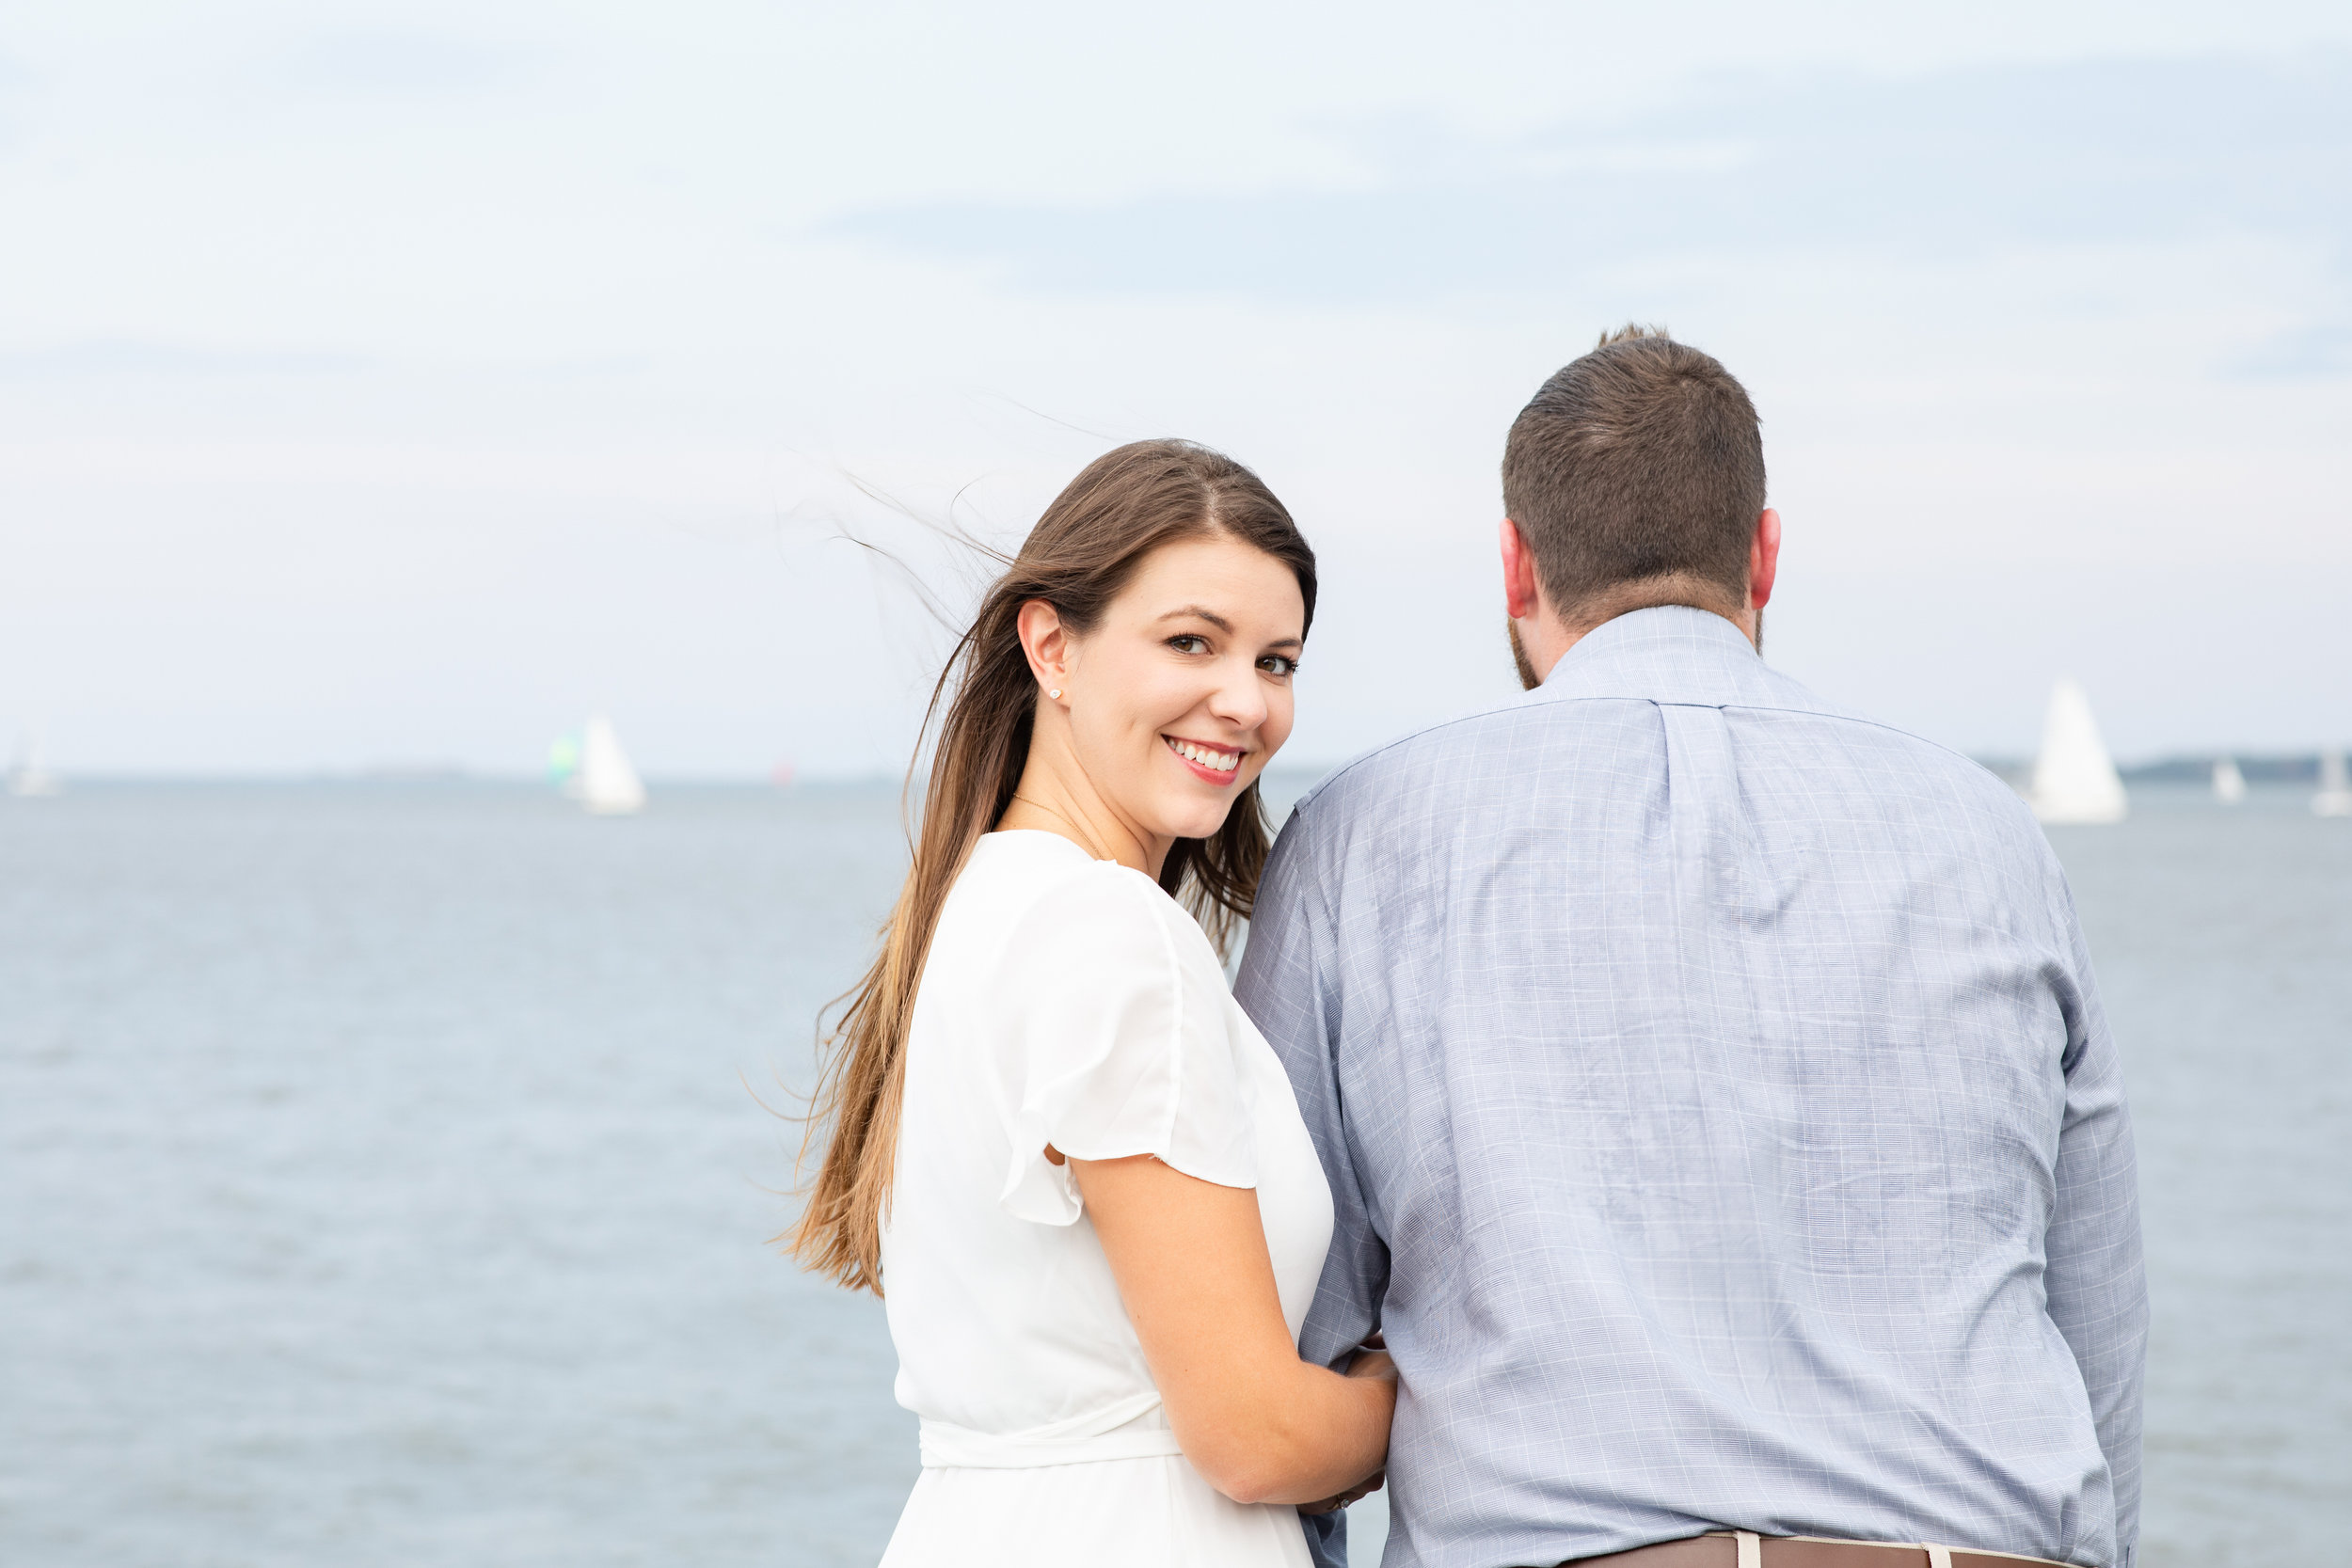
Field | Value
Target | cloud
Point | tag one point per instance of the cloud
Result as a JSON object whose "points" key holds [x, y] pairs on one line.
{"points": [[395, 65], [2305, 354], [130, 357], [2129, 151], [16, 89]]}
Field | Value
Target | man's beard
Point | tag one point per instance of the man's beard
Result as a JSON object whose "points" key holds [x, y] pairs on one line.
{"points": [[1529, 679]]}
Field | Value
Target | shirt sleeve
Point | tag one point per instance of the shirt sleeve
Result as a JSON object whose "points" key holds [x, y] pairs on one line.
{"points": [[1287, 988], [1104, 1048], [2095, 1279]]}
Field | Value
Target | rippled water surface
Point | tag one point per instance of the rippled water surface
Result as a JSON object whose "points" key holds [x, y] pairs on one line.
{"points": [[383, 1181]]}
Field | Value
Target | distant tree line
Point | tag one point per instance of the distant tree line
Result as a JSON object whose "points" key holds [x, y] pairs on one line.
{"points": [[2258, 767]]}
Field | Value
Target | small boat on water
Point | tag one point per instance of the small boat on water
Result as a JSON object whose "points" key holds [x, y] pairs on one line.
{"points": [[2074, 779], [607, 785], [2335, 787], [27, 778], [2229, 784]]}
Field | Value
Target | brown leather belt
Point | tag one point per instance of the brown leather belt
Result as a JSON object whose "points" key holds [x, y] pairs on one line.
{"points": [[1737, 1549]]}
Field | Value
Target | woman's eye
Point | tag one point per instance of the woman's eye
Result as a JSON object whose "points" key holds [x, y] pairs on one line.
{"points": [[1279, 664], [1189, 643]]}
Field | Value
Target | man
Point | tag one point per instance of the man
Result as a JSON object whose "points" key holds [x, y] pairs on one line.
{"points": [[1723, 1125]]}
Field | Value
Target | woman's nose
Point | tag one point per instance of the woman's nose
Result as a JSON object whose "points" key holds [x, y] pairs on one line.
{"points": [[1239, 698]]}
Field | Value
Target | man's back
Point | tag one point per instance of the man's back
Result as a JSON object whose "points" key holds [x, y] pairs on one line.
{"points": [[1724, 1129]]}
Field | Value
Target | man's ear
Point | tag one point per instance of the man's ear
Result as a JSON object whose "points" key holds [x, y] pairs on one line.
{"points": [[1046, 640], [1520, 593], [1764, 559]]}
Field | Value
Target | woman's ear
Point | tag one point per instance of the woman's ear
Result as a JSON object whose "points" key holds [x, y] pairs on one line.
{"points": [[1046, 642]]}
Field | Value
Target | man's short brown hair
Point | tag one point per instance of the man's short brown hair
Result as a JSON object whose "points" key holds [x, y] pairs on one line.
{"points": [[1636, 475]]}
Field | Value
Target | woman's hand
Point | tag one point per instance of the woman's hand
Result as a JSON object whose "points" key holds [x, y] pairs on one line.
{"points": [[1370, 1362], [1355, 1493]]}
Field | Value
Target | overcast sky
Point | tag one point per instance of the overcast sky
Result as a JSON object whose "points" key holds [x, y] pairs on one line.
{"points": [[394, 385]]}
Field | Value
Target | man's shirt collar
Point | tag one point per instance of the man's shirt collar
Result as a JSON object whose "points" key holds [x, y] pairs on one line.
{"points": [[1671, 653]]}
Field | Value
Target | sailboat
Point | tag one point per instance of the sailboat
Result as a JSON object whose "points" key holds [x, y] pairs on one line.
{"points": [[609, 786], [27, 778], [2335, 789], [2228, 784], [2074, 779], [563, 765]]}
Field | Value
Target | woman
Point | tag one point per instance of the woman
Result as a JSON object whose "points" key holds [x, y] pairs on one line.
{"points": [[1074, 1162]]}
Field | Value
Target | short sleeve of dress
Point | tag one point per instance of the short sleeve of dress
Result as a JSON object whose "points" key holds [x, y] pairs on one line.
{"points": [[1110, 1039]]}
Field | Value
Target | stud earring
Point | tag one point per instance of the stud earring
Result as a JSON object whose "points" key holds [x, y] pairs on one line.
{"points": [[1055, 694]]}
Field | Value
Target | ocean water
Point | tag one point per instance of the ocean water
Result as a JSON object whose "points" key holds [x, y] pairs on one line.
{"points": [[385, 1177]]}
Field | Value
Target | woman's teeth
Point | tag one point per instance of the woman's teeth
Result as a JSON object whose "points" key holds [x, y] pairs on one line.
{"points": [[1215, 762]]}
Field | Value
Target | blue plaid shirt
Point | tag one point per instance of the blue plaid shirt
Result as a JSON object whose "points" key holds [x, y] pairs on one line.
{"points": [[1722, 1121]]}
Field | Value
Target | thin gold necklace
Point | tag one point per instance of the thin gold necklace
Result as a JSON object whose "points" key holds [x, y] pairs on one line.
{"points": [[1086, 840]]}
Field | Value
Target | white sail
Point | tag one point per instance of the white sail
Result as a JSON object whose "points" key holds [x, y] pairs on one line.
{"points": [[27, 778], [2335, 788], [2228, 784], [609, 786], [2074, 779]]}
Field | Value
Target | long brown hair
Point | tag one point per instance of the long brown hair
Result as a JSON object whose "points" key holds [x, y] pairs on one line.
{"points": [[1083, 551]]}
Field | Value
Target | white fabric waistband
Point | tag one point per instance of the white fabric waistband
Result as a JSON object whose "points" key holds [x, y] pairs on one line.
{"points": [[1134, 1428]]}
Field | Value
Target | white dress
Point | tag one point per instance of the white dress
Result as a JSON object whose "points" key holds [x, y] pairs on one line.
{"points": [[1069, 1001]]}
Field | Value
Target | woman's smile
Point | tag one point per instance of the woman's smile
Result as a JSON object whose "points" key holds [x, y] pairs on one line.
{"points": [[1218, 765]]}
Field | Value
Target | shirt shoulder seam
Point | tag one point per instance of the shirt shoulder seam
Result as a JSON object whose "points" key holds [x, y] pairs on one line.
{"points": [[1834, 715]]}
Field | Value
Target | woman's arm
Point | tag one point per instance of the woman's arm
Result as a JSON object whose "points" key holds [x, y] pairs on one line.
{"points": [[1260, 1424]]}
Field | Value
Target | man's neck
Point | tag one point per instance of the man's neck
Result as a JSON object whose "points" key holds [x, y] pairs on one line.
{"points": [[1543, 639]]}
